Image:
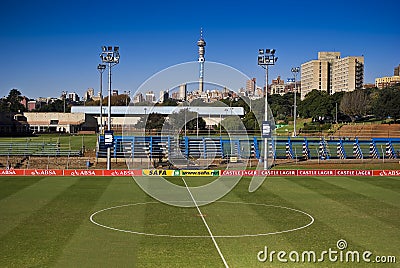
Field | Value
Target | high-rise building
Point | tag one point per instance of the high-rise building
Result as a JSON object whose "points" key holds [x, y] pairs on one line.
{"points": [[89, 94], [251, 87], [182, 92], [138, 98], [314, 75], [348, 74], [164, 95], [150, 97], [387, 81], [332, 74], [397, 71], [72, 96], [278, 86]]}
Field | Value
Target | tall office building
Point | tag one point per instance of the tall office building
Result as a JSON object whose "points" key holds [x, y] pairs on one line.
{"points": [[314, 75], [250, 87], [278, 86], [182, 92], [150, 97], [72, 96], [387, 81], [332, 74], [348, 74], [164, 95], [397, 71]]}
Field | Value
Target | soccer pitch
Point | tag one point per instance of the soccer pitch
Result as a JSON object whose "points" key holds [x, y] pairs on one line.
{"points": [[111, 222]]}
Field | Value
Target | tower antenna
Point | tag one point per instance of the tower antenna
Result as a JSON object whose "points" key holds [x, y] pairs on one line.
{"points": [[201, 44]]}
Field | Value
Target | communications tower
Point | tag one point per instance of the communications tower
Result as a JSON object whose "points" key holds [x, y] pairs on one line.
{"points": [[201, 44]]}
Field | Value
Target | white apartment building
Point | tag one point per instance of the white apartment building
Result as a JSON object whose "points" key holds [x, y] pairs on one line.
{"points": [[348, 74], [382, 82], [314, 75], [332, 74]]}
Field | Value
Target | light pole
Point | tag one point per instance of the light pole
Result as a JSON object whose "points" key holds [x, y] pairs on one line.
{"points": [[295, 71], [127, 94], [336, 115], [145, 118], [64, 94], [101, 68], [185, 120], [110, 56], [197, 123], [220, 120], [266, 57]]}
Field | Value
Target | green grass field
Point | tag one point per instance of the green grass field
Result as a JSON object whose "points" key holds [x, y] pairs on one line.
{"points": [[44, 222], [74, 142]]}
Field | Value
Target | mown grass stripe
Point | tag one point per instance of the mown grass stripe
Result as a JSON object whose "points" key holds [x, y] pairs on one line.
{"points": [[19, 206], [40, 238], [93, 246], [389, 183], [242, 252], [384, 212], [363, 188], [11, 185], [176, 252], [363, 229]]}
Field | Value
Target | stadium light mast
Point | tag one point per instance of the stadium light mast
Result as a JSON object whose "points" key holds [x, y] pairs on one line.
{"points": [[295, 71], [110, 56], [101, 68], [266, 57], [64, 94]]}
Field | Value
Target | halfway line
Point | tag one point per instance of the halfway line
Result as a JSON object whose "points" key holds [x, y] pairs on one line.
{"points": [[208, 228]]}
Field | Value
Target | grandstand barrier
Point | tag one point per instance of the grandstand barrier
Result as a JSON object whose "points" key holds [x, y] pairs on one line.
{"points": [[340, 150], [194, 173]]}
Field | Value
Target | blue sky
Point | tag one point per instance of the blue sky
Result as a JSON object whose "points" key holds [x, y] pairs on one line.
{"points": [[51, 46]]}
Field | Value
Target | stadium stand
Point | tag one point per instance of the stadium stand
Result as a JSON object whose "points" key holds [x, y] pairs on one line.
{"points": [[369, 131], [18, 154], [193, 148]]}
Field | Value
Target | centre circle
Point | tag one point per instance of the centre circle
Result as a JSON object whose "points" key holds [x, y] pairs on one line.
{"points": [[227, 219]]}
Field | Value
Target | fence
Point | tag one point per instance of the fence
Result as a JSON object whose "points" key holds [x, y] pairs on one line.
{"points": [[170, 148]]}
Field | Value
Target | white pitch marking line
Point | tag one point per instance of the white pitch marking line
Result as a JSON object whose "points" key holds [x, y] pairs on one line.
{"points": [[208, 228]]}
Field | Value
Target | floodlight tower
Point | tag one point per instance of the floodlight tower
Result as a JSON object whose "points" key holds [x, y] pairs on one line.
{"points": [[266, 58], [101, 68], [110, 56], [295, 71], [202, 51]]}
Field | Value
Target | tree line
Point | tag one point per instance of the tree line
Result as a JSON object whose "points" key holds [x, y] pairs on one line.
{"points": [[319, 105]]}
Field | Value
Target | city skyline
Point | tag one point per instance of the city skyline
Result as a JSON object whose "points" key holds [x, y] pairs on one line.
{"points": [[55, 46]]}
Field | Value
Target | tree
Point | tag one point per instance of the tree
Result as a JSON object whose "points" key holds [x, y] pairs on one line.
{"points": [[14, 99], [354, 104], [250, 122], [317, 104], [169, 102], [386, 104], [118, 100], [198, 102], [177, 121], [231, 123], [4, 105], [55, 106], [153, 121]]}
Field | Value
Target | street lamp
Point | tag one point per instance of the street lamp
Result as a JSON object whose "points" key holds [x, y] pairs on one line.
{"points": [[295, 71], [266, 57], [101, 68], [110, 56]]}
